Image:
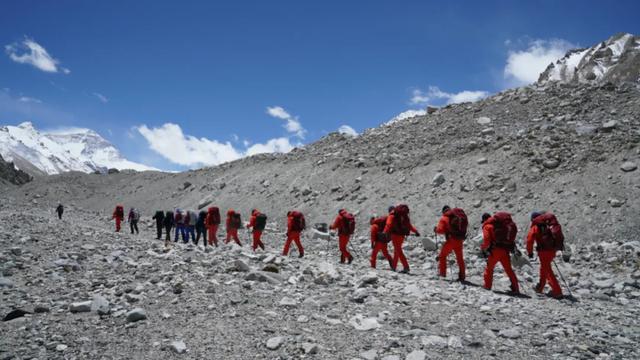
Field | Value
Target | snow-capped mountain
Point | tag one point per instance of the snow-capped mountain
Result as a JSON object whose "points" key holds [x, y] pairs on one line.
{"points": [[616, 60], [60, 151]]}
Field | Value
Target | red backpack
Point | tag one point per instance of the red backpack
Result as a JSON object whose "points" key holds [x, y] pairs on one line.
{"points": [[551, 236], [401, 221], [504, 230], [381, 222], [348, 224], [119, 211], [298, 223], [458, 223], [213, 216]]}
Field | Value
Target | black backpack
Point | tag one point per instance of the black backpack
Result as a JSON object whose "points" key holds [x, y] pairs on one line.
{"points": [[261, 222], [236, 221]]}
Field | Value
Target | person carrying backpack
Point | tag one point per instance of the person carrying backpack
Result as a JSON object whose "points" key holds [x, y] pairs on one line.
{"points": [[379, 240], [60, 210], [499, 235], [159, 218], [168, 225], [345, 224], [546, 233], [118, 215], [133, 218], [191, 218], [179, 221], [295, 225], [257, 222], [233, 223], [398, 227], [453, 225], [200, 228], [212, 222]]}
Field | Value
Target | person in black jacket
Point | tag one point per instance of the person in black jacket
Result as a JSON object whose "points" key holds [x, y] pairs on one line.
{"points": [[60, 210], [200, 228], [168, 225], [159, 218]]}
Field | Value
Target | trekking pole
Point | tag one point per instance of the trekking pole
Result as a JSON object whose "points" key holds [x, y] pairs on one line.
{"points": [[562, 277]]}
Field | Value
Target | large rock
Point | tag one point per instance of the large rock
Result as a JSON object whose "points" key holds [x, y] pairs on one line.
{"points": [[78, 307], [136, 314], [275, 342], [628, 166], [438, 180], [416, 355], [435, 341], [511, 333], [4, 282], [100, 305], [483, 120], [428, 244], [241, 266], [361, 323], [178, 346]]}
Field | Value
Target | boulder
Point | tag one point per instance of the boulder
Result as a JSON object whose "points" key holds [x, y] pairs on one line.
{"points": [[438, 180], [178, 347], [483, 120], [78, 307], [136, 314], [241, 266], [628, 166], [416, 355], [100, 305], [275, 342], [428, 244]]}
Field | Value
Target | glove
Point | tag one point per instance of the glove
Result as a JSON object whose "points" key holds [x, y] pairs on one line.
{"points": [[530, 255], [418, 234]]}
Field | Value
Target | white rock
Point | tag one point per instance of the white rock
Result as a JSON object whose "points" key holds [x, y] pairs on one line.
{"points": [[310, 348], [628, 166], [61, 347], [100, 305], [483, 120], [369, 354], [361, 323], [275, 342], [289, 302], [438, 180], [136, 314], [428, 244], [416, 355], [511, 333], [240, 265], [435, 341], [178, 346], [454, 342]]}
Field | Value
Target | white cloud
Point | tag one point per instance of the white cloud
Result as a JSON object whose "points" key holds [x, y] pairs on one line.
{"points": [[27, 99], [292, 124], [524, 67], [347, 130], [170, 142], [32, 53], [434, 95], [101, 97]]}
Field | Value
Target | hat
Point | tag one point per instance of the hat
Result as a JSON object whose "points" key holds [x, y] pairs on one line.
{"points": [[535, 214], [485, 217], [445, 208]]}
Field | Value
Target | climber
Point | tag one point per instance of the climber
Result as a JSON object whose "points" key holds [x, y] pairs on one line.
{"points": [[295, 225], [399, 226], [453, 225], [200, 228], [60, 210], [118, 215], [379, 240], [499, 234], [168, 225], [213, 221], [257, 223], [179, 221], [345, 224], [133, 218], [234, 222], [546, 233], [159, 218], [191, 218]]}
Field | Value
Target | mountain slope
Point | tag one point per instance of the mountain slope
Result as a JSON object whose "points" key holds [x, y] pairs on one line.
{"points": [[9, 173], [617, 60], [53, 153]]}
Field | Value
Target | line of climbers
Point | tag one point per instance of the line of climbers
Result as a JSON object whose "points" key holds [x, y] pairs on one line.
{"points": [[499, 233]]}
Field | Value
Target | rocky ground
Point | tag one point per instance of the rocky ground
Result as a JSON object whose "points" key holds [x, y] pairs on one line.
{"points": [[92, 293], [572, 149]]}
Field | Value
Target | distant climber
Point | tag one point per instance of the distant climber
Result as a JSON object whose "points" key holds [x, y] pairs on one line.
{"points": [[499, 235], [191, 218], [345, 224], [233, 223], [379, 240], [179, 222], [546, 233], [168, 225], [398, 227], [200, 228], [118, 215], [257, 223], [60, 210], [159, 218], [212, 222], [453, 225], [133, 218], [295, 225]]}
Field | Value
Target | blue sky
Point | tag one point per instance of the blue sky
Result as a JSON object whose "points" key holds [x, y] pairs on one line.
{"points": [[206, 80]]}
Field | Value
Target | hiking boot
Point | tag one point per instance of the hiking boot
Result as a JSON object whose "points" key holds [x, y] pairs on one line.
{"points": [[404, 271], [537, 289], [555, 296], [461, 279], [301, 255], [350, 259], [514, 290]]}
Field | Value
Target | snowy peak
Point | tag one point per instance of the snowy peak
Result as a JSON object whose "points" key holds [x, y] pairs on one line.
{"points": [[55, 152], [615, 60]]}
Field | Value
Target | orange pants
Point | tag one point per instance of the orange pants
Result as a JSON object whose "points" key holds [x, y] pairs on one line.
{"points": [[295, 237], [377, 247], [257, 243], [343, 240], [449, 246], [546, 272], [398, 254], [118, 222], [213, 234], [232, 234], [502, 256]]}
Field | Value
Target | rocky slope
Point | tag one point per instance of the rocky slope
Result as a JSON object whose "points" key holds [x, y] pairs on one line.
{"points": [[9, 174]]}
